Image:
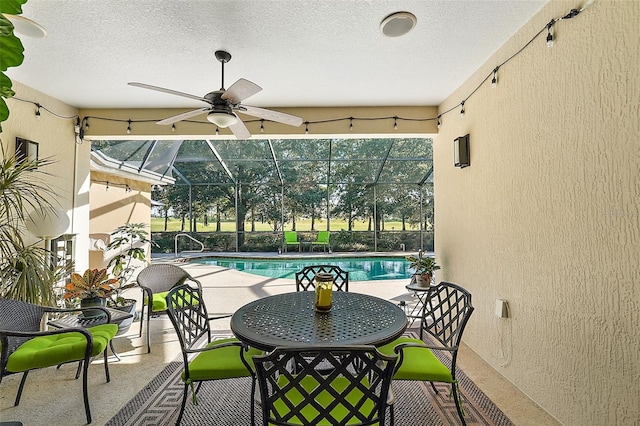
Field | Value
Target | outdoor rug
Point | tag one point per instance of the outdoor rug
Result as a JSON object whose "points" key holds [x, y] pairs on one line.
{"points": [[227, 402]]}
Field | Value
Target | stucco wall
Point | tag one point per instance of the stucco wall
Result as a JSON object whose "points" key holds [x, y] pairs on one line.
{"points": [[56, 138], [547, 215], [117, 205]]}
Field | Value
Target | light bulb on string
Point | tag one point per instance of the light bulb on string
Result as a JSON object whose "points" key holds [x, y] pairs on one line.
{"points": [[306, 127], [351, 124], [439, 123], [549, 34], [395, 123], [38, 111], [173, 127], [462, 109], [217, 131], [86, 123], [128, 126], [261, 126], [494, 80]]}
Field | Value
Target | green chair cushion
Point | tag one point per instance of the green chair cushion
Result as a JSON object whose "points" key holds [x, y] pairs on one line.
{"points": [[45, 351], [324, 398], [223, 363], [159, 301], [418, 363]]}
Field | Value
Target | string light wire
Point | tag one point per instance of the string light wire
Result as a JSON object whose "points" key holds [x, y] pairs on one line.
{"points": [[84, 122]]}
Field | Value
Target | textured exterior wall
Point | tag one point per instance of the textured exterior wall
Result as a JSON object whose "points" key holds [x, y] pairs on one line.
{"points": [[547, 215], [56, 139], [116, 206]]}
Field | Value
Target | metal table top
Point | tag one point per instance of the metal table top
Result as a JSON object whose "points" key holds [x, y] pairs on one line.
{"points": [[290, 320], [77, 320]]}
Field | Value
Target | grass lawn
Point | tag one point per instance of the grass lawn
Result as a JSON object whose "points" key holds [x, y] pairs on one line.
{"points": [[157, 225]]}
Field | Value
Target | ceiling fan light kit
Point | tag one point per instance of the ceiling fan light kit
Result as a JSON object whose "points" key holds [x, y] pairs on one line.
{"points": [[222, 119], [398, 24], [223, 103]]}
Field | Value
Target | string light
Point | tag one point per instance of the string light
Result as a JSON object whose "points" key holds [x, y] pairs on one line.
{"points": [[217, 131], [108, 185], [492, 76], [173, 127], [306, 127], [395, 123], [549, 34]]}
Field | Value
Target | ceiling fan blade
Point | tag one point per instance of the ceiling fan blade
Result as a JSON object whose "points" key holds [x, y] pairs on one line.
{"points": [[182, 116], [169, 91], [240, 130], [268, 114], [241, 90]]}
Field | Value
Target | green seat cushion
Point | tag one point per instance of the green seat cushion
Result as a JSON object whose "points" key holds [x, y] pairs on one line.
{"points": [[418, 363], [223, 363], [159, 301], [45, 351], [309, 413]]}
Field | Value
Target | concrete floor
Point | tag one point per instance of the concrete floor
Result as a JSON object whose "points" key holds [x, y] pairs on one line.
{"points": [[52, 397]]}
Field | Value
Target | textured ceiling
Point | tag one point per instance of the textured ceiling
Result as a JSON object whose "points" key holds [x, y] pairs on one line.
{"points": [[302, 53]]}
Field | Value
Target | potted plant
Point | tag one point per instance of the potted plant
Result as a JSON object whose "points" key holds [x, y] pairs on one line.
{"points": [[131, 240], [424, 266], [92, 288]]}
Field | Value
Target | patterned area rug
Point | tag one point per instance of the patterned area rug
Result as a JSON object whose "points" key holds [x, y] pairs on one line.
{"points": [[227, 402]]}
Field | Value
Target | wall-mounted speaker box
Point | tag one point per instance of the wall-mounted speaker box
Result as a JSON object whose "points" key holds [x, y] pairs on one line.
{"points": [[461, 156]]}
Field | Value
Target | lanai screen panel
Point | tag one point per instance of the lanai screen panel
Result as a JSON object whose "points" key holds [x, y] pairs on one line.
{"points": [[303, 161], [322, 161]]}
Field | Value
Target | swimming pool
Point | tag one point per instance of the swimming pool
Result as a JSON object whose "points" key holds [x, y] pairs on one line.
{"points": [[359, 268]]}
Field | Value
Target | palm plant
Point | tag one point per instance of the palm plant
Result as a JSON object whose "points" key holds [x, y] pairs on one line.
{"points": [[24, 268]]}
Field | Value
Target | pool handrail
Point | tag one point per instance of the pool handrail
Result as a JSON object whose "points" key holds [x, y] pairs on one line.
{"points": [[187, 251]]}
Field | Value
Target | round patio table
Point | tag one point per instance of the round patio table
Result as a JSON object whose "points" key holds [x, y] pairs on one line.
{"points": [[290, 319]]}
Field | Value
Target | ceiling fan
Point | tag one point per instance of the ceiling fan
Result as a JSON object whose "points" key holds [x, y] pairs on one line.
{"points": [[223, 103]]}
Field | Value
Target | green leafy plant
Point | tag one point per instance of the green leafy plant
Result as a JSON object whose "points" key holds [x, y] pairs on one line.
{"points": [[93, 283], [422, 264], [25, 272], [130, 239], [11, 52]]}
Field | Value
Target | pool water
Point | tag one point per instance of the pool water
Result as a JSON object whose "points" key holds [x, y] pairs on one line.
{"points": [[359, 268]]}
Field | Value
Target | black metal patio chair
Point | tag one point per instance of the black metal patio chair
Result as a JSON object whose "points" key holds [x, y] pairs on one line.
{"points": [[355, 392], [220, 359], [305, 279], [447, 310]]}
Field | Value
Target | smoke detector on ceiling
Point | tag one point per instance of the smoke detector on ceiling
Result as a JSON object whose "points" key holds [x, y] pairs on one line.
{"points": [[398, 24]]}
